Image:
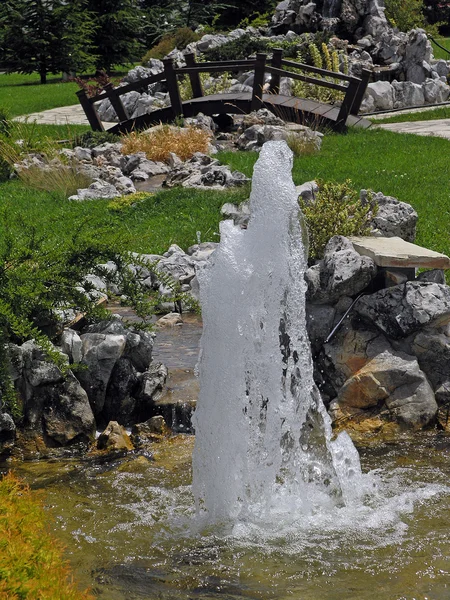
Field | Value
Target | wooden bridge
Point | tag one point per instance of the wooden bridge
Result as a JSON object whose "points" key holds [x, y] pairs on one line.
{"points": [[289, 108]]}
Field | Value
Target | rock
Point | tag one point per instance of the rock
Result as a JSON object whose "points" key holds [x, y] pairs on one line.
{"points": [[153, 430], [407, 93], [395, 381], [7, 431], [177, 264], [98, 189], [435, 91], [382, 94], [432, 350], [169, 320], [139, 343], [71, 345], [307, 191], [432, 276], [255, 136], [239, 213], [201, 252], [342, 272], [393, 218], [67, 415], [114, 439], [83, 154], [401, 310], [100, 354]]}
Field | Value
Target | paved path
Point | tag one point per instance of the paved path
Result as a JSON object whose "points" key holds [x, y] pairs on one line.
{"points": [[437, 128], [65, 115]]}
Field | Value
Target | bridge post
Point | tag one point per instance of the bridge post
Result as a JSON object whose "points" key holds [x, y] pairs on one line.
{"points": [[172, 87], [258, 81], [277, 57], [89, 111], [116, 102], [196, 84], [346, 105], [365, 76]]}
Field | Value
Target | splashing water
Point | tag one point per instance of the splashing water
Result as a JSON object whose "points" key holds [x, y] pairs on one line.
{"points": [[263, 437]]}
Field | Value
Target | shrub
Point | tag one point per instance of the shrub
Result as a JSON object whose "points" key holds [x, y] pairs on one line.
{"points": [[336, 210], [322, 59], [405, 14], [180, 38], [161, 140], [31, 560], [238, 49], [256, 20]]}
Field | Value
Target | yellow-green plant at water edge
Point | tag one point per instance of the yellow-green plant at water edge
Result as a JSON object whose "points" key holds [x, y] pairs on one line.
{"points": [[31, 560]]}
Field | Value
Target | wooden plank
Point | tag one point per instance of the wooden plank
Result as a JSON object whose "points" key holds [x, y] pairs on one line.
{"points": [[311, 80], [294, 65]]}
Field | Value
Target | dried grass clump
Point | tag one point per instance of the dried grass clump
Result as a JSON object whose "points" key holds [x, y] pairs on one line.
{"points": [[31, 560], [160, 141]]}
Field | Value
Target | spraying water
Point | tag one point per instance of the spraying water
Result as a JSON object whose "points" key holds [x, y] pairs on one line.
{"points": [[264, 447]]}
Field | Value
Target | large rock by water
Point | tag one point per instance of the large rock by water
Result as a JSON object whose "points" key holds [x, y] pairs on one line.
{"points": [[403, 309]]}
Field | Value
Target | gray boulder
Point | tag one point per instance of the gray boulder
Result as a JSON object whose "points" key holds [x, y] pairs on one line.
{"points": [[393, 218], [395, 381], [100, 354], [342, 272], [403, 309]]}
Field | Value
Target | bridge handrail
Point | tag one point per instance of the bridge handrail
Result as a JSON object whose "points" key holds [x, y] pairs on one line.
{"points": [[353, 91]]}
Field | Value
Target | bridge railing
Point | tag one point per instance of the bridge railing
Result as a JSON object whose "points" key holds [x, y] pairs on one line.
{"points": [[278, 67]]}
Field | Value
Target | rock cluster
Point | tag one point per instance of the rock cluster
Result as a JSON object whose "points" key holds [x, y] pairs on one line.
{"points": [[377, 368]]}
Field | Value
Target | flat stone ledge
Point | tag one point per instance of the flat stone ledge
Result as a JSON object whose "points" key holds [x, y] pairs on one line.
{"points": [[395, 252]]}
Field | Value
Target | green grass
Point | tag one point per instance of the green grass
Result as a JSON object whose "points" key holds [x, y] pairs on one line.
{"points": [[411, 168], [431, 114], [438, 52], [168, 217], [23, 94]]}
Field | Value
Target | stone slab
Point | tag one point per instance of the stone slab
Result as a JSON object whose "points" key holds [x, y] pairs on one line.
{"points": [[395, 252], [64, 115]]}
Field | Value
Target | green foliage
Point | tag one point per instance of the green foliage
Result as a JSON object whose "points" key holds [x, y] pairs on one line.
{"points": [[322, 59], [91, 139], [405, 14], [46, 37], [123, 203], [336, 210], [31, 560], [180, 38], [238, 49], [116, 38], [256, 20], [210, 85]]}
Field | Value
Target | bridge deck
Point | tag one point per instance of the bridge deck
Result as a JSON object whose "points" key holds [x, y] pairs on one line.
{"points": [[289, 108]]}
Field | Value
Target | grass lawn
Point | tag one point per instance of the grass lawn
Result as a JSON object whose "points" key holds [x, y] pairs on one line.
{"points": [[438, 52], [23, 94], [431, 114], [412, 168]]}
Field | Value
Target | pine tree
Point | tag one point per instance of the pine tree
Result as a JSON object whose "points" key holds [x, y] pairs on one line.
{"points": [[117, 38], [45, 36]]}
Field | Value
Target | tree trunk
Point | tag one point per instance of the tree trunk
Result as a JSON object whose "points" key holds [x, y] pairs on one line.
{"points": [[43, 75]]}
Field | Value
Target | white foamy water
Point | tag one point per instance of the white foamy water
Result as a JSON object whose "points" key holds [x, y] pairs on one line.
{"points": [[263, 437]]}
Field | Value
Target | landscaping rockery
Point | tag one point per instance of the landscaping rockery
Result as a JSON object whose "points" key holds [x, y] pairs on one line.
{"points": [[405, 72], [385, 369], [114, 174]]}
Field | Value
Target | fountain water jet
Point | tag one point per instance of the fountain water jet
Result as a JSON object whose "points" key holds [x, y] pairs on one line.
{"points": [[264, 448]]}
